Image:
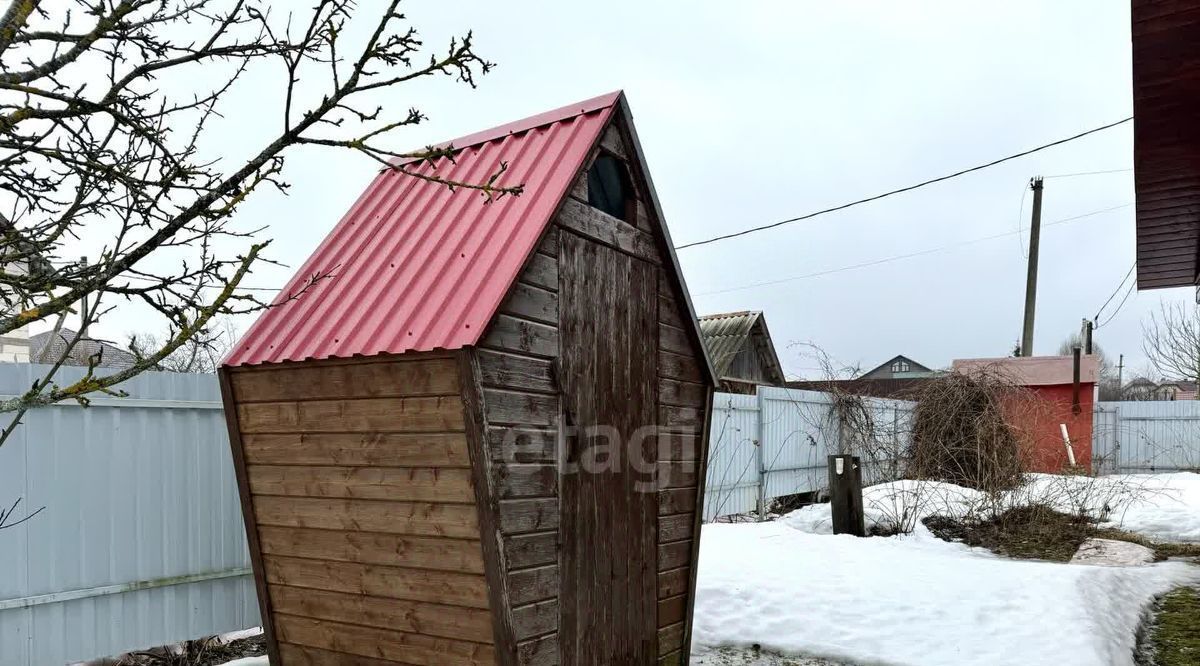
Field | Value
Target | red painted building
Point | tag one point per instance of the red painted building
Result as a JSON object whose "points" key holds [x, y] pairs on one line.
{"points": [[1049, 405]]}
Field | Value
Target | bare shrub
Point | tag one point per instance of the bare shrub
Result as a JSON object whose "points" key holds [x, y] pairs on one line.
{"points": [[963, 433]]}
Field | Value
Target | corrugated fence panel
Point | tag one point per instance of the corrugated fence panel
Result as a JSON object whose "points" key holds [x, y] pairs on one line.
{"points": [[799, 431], [781, 438], [1152, 436], [732, 478], [141, 540]]}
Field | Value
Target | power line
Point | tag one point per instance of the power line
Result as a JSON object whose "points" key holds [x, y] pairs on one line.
{"points": [[910, 255], [1119, 305], [1089, 173], [901, 190], [1115, 291]]}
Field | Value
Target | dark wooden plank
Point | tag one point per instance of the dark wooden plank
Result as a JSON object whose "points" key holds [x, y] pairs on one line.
{"points": [[516, 480], [530, 302], [368, 379], [503, 407], [669, 312], [531, 550], [606, 230], [412, 484], [530, 585], [487, 502], [431, 414], [674, 339], [670, 638], [612, 141], [528, 515], [249, 521], [542, 271], [415, 518], [470, 624], [677, 500], [515, 371], [678, 446], [674, 528], [677, 474], [673, 582], [670, 416], [372, 642], [539, 652], [683, 394], [671, 610], [549, 243], [446, 587], [521, 335], [359, 449], [370, 548], [672, 659], [522, 445], [677, 366], [674, 555], [535, 619], [579, 187]]}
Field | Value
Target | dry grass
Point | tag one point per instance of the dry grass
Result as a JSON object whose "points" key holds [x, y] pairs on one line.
{"points": [[962, 432]]}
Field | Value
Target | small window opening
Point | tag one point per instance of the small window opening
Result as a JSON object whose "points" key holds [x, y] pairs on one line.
{"points": [[900, 366], [609, 189]]}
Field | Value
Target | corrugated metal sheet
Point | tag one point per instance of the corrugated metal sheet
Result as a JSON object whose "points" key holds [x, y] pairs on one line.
{"points": [[1145, 437], [1166, 96], [1035, 370], [725, 335], [143, 493], [418, 267]]}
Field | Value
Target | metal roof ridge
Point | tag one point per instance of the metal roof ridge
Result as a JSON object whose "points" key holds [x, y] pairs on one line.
{"points": [[542, 119]]}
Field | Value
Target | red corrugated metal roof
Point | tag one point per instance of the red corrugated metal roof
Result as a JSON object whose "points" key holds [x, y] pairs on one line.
{"points": [[417, 267]]}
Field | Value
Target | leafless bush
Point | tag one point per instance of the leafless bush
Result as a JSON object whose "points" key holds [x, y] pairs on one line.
{"points": [[964, 433]]}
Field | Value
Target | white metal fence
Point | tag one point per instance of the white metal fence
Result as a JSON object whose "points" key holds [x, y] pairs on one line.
{"points": [[1146, 437], [141, 540], [776, 443]]}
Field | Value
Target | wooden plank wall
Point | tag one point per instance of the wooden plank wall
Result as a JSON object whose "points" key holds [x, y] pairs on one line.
{"points": [[520, 402], [360, 482], [517, 358]]}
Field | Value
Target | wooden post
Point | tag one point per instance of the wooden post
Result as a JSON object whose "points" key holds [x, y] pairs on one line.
{"points": [[845, 495]]}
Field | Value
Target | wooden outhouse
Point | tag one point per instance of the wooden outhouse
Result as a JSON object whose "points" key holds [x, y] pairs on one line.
{"points": [[481, 441]]}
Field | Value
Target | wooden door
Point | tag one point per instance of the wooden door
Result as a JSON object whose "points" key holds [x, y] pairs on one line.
{"points": [[608, 313]]}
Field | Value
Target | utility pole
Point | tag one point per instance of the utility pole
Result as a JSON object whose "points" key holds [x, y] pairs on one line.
{"points": [[1087, 336], [1035, 234], [1120, 371]]}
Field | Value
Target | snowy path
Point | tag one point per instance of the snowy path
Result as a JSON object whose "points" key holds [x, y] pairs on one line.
{"points": [[920, 601]]}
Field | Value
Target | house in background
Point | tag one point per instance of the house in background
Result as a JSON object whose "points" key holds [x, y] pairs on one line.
{"points": [[1142, 389], [50, 347], [900, 377], [899, 367], [742, 352]]}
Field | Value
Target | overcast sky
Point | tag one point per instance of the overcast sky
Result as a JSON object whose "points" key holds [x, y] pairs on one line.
{"points": [[754, 112]]}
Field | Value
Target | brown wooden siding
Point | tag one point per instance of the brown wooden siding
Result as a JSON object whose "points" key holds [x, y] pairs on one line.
{"points": [[1166, 95], [360, 481], [521, 405]]}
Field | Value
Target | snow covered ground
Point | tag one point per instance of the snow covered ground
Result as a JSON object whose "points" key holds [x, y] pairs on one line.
{"points": [[792, 587]]}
